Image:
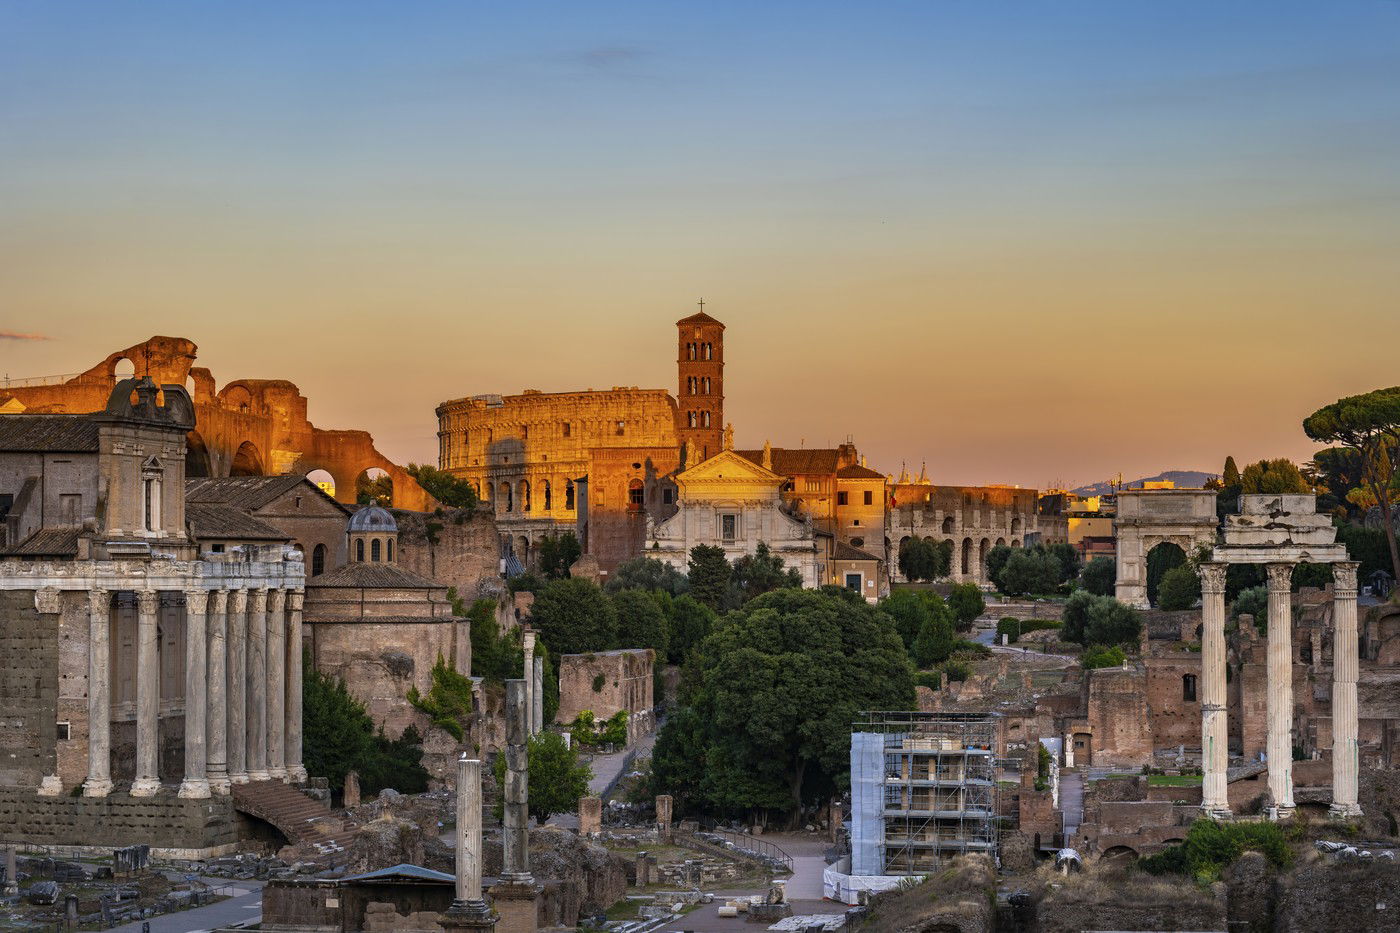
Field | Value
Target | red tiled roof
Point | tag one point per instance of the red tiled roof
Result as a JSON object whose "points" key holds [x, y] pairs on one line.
{"points": [[855, 471], [699, 317], [789, 461]]}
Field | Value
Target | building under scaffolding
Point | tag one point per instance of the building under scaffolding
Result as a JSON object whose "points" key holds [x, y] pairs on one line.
{"points": [[923, 789]]}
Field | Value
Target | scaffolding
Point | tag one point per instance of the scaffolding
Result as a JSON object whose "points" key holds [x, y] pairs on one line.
{"points": [[923, 789]]}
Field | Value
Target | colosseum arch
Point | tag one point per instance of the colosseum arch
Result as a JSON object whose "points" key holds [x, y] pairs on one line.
{"points": [[1149, 517]]}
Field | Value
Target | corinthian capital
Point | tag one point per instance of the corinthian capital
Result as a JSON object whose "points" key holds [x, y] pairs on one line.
{"points": [[1344, 578], [148, 602], [276, 599], [196, 601], [1280, 578], [257, 600], [1212, 578]]}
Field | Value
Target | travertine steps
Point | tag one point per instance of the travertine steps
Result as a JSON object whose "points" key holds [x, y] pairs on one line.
{"points": [[300, 818]]}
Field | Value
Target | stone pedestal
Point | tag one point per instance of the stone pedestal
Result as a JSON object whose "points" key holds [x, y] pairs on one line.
{"points": [[516, 906], [590, 816], [1280, 696], [1215, 758], [1344, 663]]}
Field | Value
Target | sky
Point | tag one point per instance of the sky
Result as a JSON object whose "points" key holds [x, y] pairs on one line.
{"points": [[1026, 243]]}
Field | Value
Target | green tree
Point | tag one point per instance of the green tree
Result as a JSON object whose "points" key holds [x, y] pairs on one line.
{"points": [[1068, 558], [762, 572], [909, 612], [339, 736], [448, 702], [1096, 656], [1160, 559], [1254, 602], [768, 724], [996, 561], [1099, 576], [690, 621], [1274, 477], [557, 778], [574, 617], [1179, 589], [558, 553], [709, 575], [1230, 477], [965, 599], [443, 486], [374, 489], [1113, 623], [934, 643], [1370, 425], [640, 622], [1075, 616], [647, 573], [495, 656], [1030, 570], [921, 560]]}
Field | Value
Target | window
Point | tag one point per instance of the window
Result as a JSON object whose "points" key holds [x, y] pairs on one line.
{"points": [[568, 494], [668, 496], [360, 550], [374, 551], [853, 581], [318, 560], [524, 432], [567, 429], [869, 497], [634, 496], [691, 416], [857, 542], [1188, 688], [389, 550], [706, 386], [621, 428], [150, 510], [856, 523], [841, 498], [217, 548], [729, 527], [706, 419], [548, 496]]}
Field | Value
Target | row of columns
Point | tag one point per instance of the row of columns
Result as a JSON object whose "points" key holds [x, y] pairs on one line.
{"points": [[243, 703], [1279, 707]]}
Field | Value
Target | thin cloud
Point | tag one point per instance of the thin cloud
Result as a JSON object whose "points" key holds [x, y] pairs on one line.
{"points": [[11, 335]]}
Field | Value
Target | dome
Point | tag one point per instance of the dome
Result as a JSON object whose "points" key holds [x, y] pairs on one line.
{"points": [[373, 518]]}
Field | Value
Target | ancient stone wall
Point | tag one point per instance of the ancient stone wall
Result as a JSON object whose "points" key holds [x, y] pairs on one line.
{"points": [[973, 518], [28, 691], [605, 683], [166, 823], [1174, 699], [1118, 713], [457, 548]]}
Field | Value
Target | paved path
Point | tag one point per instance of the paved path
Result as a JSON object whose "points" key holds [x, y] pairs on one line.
{"points": [[606, 770], [247, 906], [1072, 803]]}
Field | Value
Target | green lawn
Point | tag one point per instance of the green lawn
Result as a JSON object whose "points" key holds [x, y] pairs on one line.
{"points": [[1173, 780]]}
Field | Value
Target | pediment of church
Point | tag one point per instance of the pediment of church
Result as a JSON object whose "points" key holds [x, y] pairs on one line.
{"points": [[728, 467]]}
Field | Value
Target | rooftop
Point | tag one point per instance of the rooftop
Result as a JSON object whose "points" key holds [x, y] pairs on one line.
{"points": [[49, 433], [374, 576]]}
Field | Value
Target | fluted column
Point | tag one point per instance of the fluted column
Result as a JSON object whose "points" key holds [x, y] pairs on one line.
{"points": [[238, 686], [147, 695], [296, 770], [257, 685], [216, 696], [99, 776], [1345, 753], [1280, 697], [528, 674], [469, 910], [1215, 736], [537, 698], [196, 783], [276, 684]]}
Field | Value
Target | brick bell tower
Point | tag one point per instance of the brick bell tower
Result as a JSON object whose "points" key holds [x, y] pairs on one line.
{"points": [[700, 395]]}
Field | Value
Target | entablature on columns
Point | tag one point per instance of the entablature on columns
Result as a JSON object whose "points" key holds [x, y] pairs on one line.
{"points": [[151, 575]]}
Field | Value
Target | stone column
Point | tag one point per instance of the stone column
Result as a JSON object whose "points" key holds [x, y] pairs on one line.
{"points": [[11, 888], [238, 687], [1280, 698], [468, 910], [1345, 753], [515, 894], [537, 698], [296, 771], [276, 685], [217, 692], [99, 776], [663, 817], [257, 685], [528, 673], [1215, 721], [196, 784], [147, 696], [590, 816]]}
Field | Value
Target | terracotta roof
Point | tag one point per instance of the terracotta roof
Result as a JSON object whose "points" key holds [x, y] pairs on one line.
{"points": [[249, 493], [844, 551], [214, 520], [855, 471], [67, 433], [375, 576], [790, 461], [48, 542], [700, 317]]}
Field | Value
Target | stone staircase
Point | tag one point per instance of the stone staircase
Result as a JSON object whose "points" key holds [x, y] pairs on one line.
{"points": [[300, 819]]}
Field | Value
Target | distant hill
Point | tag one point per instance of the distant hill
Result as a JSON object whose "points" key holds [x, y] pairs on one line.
{"points": [[1184, 479]]}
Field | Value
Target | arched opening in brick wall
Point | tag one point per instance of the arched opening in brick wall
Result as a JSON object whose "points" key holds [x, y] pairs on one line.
{"points": [[197, 464], [247, 461]]}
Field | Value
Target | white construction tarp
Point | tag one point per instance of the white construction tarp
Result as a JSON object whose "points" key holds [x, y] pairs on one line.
{"points": [[848, 889]]}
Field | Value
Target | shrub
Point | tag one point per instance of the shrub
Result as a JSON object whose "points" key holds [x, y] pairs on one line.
{"points": [[1099, 576], [1099, 656], [1179, 589], [966, 602], [1210, 846], [449, 700], [1011, 628]]}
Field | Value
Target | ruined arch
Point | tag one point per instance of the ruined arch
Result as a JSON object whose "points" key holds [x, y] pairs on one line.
{"points": [[1120, 854], [1001, 542], [376, 483], [120, 367], [948, 524], [982, 549], [197, 462], [1148, 517], [1016, 525], [247, 461], [1161, 557]]}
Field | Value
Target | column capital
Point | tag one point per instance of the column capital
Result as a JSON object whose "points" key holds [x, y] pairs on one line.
{"points": [[1212, 576], [276, 599], [99, 601], [218, 601], [1280, 577], [237, 601], [197, 601], [1344, 578], [294, 598], [148, 601], [257, 599], [529, 641]]}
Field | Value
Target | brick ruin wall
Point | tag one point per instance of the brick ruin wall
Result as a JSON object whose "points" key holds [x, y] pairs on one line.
{"points": [[459, 548], [166, 823], [624, 682], [28, 690]]}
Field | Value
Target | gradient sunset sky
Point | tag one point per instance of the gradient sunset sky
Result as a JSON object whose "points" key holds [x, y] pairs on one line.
{"points": [[1029, 242]]}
